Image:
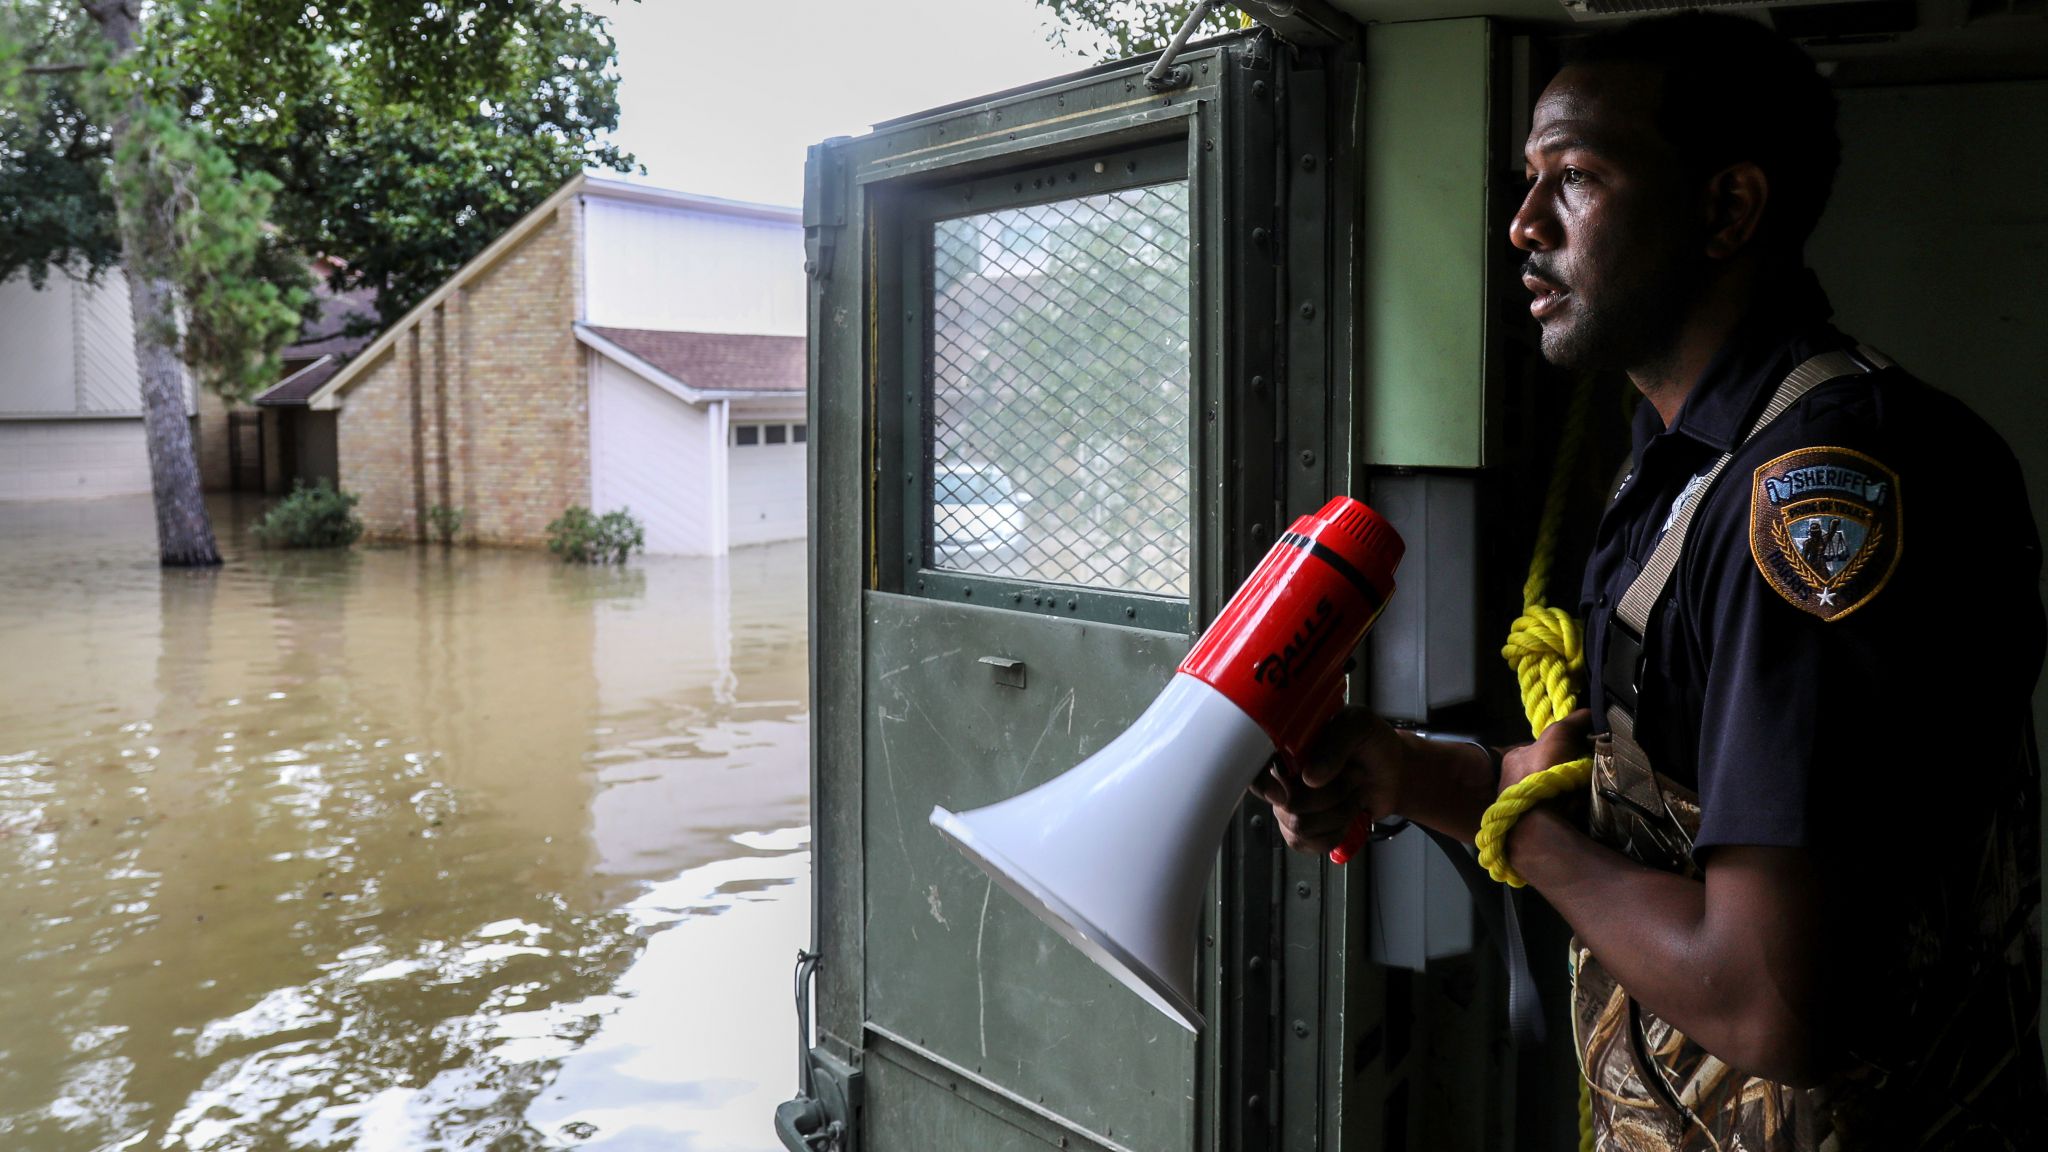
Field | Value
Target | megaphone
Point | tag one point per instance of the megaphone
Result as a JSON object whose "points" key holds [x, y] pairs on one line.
{"points": [[1115, 852]]}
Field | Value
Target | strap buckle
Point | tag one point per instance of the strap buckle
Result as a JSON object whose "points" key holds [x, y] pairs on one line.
{"points": [[1621, 668]]}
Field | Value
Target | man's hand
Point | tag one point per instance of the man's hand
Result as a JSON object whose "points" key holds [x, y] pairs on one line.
{"points": [[1560, 743], [1354, 767]]}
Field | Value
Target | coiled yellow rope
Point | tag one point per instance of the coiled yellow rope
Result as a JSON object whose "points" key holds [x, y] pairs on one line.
{"points": [[1546, 648]]}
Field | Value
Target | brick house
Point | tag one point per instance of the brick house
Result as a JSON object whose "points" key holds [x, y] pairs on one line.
{"points": [[619, 346]]}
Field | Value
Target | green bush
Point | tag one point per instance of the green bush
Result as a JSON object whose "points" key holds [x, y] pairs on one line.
{"points": [[316, 517], [579, 537], [446, 521]]}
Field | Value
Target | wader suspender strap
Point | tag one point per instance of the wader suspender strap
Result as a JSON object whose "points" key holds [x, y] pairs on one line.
{"points": [[1622, 668], [1503, 921]]}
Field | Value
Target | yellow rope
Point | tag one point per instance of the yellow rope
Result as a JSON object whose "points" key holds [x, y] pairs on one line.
{"points": [[1546, 648]]}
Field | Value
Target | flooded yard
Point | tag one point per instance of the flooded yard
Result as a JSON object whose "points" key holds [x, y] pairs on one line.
{"points": [[400, 848]]}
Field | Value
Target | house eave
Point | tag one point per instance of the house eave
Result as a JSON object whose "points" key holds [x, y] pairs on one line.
{"points": [[662, 380], [263, 400], [689, 201]]}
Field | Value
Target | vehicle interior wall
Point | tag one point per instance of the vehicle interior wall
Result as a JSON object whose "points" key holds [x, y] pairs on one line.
{"points": [[1932, 250]]}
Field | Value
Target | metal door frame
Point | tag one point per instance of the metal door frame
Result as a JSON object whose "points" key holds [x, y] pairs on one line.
{"points": [[1273, 365]]}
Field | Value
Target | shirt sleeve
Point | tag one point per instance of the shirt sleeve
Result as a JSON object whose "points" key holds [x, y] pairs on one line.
{"points": [[1791, 704]]}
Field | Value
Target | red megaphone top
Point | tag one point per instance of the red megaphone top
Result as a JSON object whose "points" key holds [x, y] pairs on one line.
{"points": [[1279, 647]]}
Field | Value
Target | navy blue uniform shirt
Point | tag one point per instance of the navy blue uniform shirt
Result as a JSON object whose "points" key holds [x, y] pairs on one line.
{"points": [[1798, 730], [1843, 662]]}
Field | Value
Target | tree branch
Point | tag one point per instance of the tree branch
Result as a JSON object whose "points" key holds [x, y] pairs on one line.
{"points": [[54, 69]]}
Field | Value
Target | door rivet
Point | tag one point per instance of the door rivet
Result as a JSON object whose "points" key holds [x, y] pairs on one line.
{"points": [[1308, 458], [1302, 889], [1308, 310], [1308, 163], [1130, 613], [1301, 1028]]}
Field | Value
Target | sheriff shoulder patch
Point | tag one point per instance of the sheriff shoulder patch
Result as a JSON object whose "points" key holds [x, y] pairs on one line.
{"points": [[1825, 528]]}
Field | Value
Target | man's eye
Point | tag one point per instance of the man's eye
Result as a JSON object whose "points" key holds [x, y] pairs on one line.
{"points": [[1574, 176]]}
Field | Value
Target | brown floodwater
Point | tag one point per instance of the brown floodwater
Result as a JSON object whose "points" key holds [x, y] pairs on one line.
{"points": [[395, 848]]}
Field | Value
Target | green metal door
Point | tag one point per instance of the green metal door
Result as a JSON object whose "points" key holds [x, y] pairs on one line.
{"points": [[1072, 367]]}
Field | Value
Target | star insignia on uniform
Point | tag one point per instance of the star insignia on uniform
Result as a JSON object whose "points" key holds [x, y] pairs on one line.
{"points": [[1827, 596]]}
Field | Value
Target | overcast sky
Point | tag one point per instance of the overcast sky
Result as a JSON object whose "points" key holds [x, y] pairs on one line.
{"points": [[722, 96]]}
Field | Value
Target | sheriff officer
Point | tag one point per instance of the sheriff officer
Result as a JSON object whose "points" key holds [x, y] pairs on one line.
{"points": [[1804, 882]]}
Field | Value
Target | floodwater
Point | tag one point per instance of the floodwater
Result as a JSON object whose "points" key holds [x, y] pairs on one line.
{"points": [[394, 849]]}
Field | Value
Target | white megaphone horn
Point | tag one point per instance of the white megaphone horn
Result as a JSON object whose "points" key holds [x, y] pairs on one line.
{"points": [[1115, 853]]}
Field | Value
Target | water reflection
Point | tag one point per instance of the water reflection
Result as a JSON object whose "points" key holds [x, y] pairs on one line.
{"points": [[395, 849]]}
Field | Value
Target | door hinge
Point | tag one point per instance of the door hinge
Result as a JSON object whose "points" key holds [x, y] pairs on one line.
{"points": [[824, 207]]}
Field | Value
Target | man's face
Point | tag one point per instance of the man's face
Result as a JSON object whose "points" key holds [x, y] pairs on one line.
{"points": [[1614, 240]]}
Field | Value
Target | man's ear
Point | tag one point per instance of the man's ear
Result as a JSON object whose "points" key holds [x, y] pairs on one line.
{"points": [[1735, 202]]}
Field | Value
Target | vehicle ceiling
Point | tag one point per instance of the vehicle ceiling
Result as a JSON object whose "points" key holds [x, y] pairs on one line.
{"points": [[1866, 41]]}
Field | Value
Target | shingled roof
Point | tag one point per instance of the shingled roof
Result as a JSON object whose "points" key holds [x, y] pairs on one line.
{"points": [[714, 361], [292, 391]]}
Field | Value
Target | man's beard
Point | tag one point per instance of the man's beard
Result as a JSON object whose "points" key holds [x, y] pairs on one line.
{"points": [[1635, 321]]}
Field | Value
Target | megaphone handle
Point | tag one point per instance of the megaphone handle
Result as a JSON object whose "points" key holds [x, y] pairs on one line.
{"points": [[1360, 831]]}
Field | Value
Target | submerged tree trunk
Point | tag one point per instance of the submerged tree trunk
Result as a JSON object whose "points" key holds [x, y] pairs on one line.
{"points": [[184, 534]]}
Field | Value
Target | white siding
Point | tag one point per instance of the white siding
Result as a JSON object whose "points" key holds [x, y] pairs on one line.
{"points": [[766, 483], [105, 343], [682, 270], [37, 361], [61, 459], [651, 452], [68, 348]]}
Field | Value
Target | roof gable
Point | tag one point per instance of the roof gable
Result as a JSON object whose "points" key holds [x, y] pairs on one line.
{"points": [[325, 397]]}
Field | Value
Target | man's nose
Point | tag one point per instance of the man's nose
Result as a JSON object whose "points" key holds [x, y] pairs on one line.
{"points": [[1534, 227]]}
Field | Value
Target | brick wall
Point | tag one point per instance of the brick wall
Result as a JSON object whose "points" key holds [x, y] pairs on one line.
{"points": [[482, 404]]}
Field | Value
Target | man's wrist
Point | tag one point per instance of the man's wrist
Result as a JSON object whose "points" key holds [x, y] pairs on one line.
{"points": [[1530, 840]]}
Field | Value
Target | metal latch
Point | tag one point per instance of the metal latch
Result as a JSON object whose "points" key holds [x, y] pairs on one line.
{"points": [[1009, 673]]}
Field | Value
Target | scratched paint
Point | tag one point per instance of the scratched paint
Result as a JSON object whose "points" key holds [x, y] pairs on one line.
{"points": [[397, 849]]}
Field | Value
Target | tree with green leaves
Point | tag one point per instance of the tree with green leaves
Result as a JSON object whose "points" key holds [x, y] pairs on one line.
{"points": [[1115, 29], [211, 146]]}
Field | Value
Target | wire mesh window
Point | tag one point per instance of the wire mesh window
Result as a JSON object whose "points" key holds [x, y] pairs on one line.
{"points": [[1060, 378]]}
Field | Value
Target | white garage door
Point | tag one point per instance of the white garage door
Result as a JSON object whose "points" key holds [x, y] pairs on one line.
{"points": [[62, 459], [767, 480]]}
